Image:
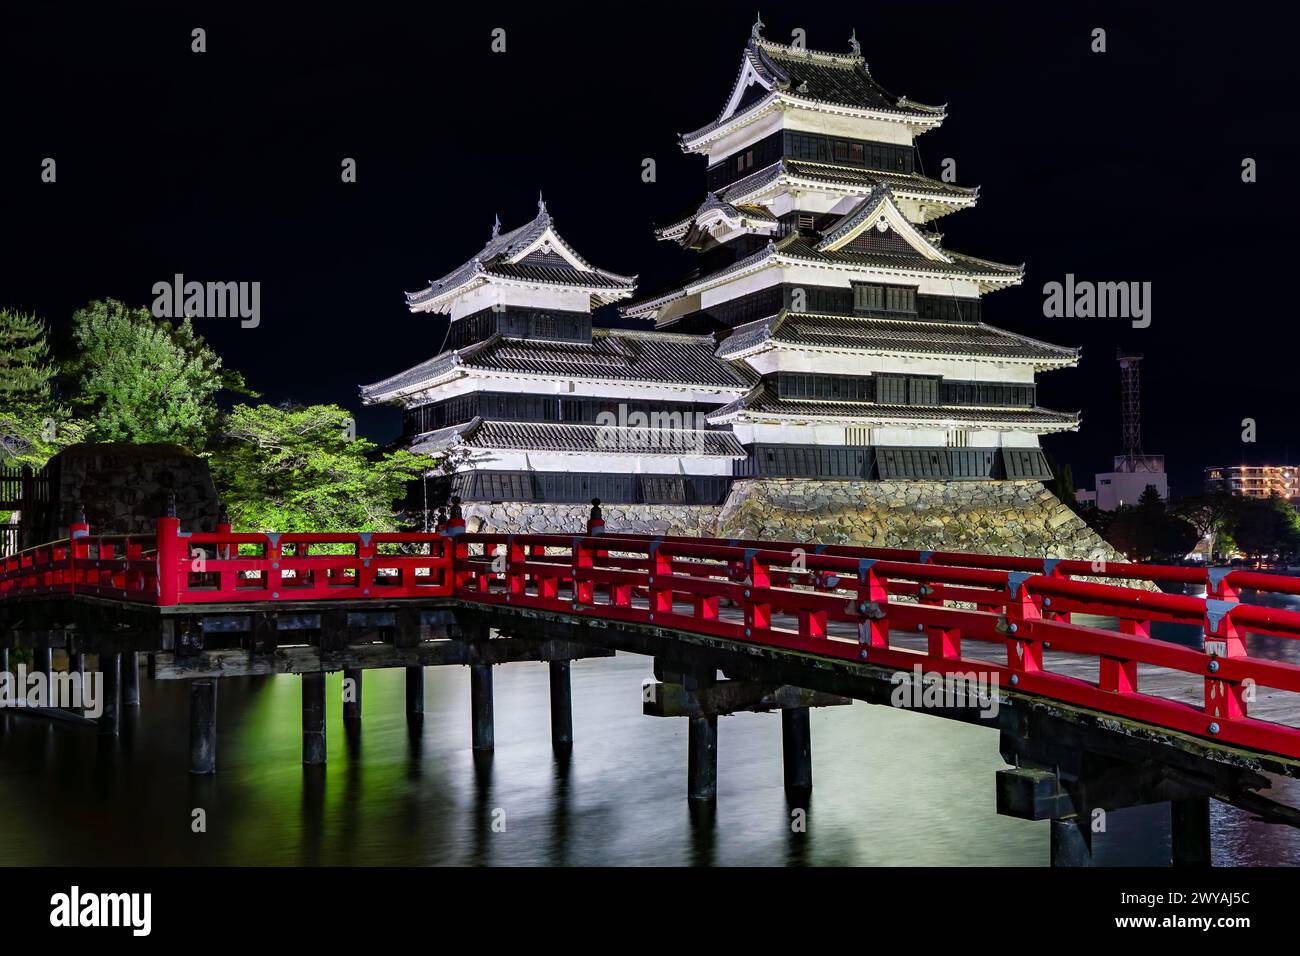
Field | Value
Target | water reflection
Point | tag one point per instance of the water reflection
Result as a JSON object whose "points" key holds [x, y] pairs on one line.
{"points": [[891, 787]]}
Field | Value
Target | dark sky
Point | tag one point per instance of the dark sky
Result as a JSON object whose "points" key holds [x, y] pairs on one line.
{"points": [[1122, 166]]}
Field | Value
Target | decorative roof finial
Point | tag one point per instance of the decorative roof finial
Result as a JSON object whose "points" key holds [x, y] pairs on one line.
{"points": [[854, 45], [496, 226], [757, 31], [541, 203]]}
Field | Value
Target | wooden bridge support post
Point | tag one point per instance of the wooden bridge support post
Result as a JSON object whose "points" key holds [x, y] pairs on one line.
{"points": [[203, 725], [110, 666], [561, 705], [480, 705], [313, 719], [131, 679], [77, 665], [43, 661], [415, 693], [1189, 823], [702, 759], [1071, 842], [796, 748], [352, 694]]}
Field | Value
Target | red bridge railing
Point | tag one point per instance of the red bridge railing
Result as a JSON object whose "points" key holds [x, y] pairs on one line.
{"points": [[174, 567], [1011, 613], [992, 615]]}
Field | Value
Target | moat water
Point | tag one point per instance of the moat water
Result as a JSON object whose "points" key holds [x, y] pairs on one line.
{"points": [[890, 787]]}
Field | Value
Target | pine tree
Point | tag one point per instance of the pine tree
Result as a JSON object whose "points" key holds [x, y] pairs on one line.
{"points": [[25, 368], [142, 379]]}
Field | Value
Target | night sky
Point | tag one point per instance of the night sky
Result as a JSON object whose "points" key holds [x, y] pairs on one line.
{"points": [[225, 166]]}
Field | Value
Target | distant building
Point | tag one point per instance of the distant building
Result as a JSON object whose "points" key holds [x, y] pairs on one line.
{"points": [[1085, 497], [1131, 476], [1133, 471], [1255, 481]]}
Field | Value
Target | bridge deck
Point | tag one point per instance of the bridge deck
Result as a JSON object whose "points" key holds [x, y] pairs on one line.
{"points": [[1269, 703]]}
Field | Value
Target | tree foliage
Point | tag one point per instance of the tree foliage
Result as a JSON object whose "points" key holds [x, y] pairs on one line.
{"points": [[1062, 482], [296, 468], [32, 424], [140, 379], [1262, 527], [25, 366], [1148, 531], [1210, 514]]}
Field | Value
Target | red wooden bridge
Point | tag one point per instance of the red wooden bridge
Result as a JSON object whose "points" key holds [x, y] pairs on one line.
{"points": [[996, 615], [819, 608]]}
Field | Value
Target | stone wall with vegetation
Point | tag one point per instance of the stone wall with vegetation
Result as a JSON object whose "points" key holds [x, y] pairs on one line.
{"points": [[1006, 517]]}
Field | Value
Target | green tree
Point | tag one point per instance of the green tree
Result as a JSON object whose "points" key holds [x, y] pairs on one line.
{"points": [[1062, 482], [141, 379], [32, 424], [1266, 526], [1209, 514], [295, 468], [25, 366], [1148, 532]]}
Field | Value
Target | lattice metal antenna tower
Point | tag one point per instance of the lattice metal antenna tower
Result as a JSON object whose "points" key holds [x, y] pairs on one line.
{"points": [[1131, 407]]}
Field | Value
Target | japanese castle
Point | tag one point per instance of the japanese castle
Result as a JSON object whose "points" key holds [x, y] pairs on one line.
{"points": [[827, 333]]}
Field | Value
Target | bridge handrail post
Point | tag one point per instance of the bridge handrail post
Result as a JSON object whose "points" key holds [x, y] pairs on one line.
{"points": [[758, 575], [1024, 653], [872, 595], [224, 526], [170, 555], [79, 531], [582, 558], [516, 577], [1224, 699], [659, 571]]}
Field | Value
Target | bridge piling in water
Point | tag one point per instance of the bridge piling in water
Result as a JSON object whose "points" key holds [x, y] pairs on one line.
{"points": [[352, 694], [1071, 842], [480, 705], [415, 693], [702, 744], [1189, 830], [313, 718], [203, 725], [796, 748], [702, 759], [130, 679], [110, 665], [561, 705]]}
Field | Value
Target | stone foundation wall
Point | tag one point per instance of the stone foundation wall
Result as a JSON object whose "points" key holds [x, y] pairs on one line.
{"points": [[1004, 517], [124, 490], [538, 518], [1019, 518]]}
